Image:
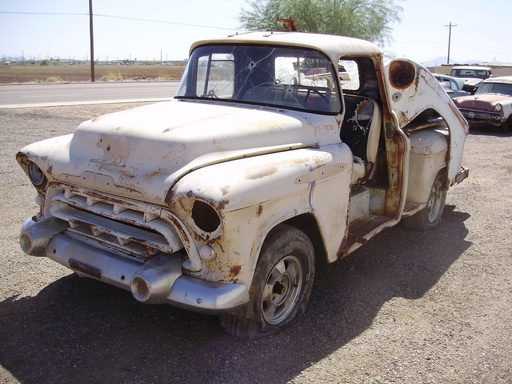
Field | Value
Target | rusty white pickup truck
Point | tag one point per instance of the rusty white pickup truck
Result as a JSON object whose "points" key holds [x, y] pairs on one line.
{"points": [[279, 148]]}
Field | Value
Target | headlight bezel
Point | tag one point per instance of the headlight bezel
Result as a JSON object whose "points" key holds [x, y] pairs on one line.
{"points": [[498, 107], [36, 175]]}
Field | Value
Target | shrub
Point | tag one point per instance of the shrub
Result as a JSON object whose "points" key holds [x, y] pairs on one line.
{"points": [[53, 79], [112, 77]]}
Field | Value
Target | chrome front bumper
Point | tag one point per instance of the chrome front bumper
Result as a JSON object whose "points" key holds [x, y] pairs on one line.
{"points": [[157, 280]]}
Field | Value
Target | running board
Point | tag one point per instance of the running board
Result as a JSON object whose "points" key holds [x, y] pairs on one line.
{"points": [[360, 231]]}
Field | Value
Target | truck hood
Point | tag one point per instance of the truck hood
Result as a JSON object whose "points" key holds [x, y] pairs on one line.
{"points": [[142, 152]]}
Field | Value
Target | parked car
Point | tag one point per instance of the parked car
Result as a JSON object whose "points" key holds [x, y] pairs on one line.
{"points": [[452, 85], [491, 105], [473, 75], [221, 200]]}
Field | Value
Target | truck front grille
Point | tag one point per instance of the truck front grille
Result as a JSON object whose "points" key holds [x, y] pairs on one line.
{"points": [[128, 227]]}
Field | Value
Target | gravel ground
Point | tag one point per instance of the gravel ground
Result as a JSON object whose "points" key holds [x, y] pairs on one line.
{"points": [[407, 307]]}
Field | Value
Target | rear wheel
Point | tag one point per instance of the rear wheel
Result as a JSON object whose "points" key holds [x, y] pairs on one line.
{"points": [[281, 285], [430, 216]]}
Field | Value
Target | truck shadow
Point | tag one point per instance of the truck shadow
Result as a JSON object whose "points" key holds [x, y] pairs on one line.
{"points": [[83, 331], [489, 131]]}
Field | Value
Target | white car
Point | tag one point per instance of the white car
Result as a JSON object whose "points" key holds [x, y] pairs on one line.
{"points": [[221, 200], [451, 85]]}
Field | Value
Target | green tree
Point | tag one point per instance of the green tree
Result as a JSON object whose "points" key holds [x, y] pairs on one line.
{"points": [[365, 19]]}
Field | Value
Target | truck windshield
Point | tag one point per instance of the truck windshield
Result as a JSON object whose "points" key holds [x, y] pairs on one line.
{"points": [[268, 75]]}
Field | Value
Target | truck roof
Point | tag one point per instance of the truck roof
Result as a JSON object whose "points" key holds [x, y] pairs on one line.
{"points": [[329, 44]]}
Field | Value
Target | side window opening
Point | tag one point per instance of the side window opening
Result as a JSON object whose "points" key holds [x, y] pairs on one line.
{"points": [[215, 75], [348, 72]]}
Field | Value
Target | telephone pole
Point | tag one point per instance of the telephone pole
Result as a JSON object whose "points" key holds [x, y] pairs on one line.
{"points": [[91, 32], [449, 40]]}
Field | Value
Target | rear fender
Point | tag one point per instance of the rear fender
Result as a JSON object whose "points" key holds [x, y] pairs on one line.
{"points": [[428, 155]]}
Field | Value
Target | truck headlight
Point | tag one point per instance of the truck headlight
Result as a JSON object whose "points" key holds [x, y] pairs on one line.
{"points": [[36, 175], [498, 107]]}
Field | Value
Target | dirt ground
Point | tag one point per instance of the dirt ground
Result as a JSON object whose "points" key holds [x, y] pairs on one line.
{"points": [[27, 73], [407, 307]]}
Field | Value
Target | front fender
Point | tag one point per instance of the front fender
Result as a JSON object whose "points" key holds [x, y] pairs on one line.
{"points": [[230, 207], [413, 89]]}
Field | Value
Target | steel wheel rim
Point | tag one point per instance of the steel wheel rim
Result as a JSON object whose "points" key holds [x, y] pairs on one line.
{"points": [[282, 289], [434, 202]]}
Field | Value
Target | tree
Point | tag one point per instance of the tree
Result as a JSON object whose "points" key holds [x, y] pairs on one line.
{"points": [[365, 19]]}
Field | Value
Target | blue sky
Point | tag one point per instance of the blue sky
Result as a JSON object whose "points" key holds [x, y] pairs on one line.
{"points": [[154, 29]]}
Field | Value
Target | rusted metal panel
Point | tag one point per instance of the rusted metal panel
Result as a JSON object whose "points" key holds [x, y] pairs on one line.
{"points": [[419, 92], [255, 204]]}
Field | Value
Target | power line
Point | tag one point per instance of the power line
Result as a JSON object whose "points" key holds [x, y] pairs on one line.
{"points": [[117, 17], [485, 33]]}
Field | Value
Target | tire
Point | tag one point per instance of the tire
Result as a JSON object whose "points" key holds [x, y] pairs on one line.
{"points": [[430, 216], [507, 127], [280, 288]]}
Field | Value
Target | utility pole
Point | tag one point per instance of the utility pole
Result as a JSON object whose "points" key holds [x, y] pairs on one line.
{"points": [[91, 31], [449, 40]]}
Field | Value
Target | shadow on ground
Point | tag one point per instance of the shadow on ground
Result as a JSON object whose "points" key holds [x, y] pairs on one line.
{"points": [[489, 131], [83, 331]]}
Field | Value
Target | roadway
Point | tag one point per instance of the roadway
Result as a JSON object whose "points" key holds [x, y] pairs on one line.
{"points": [[39, 95]]}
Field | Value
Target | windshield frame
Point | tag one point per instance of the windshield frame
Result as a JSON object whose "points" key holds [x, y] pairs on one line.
{"points": [[270, 75]]}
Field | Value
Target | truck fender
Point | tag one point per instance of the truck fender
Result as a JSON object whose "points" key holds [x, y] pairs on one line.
{"points": [[428, 155]]}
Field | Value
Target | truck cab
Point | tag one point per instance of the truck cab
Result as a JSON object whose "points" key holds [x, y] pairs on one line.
{"points": [[279, 148]]}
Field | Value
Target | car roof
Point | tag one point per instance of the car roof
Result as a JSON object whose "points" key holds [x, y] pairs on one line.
{"points": [[329, 44], [502, 79], [458, 80], [475, 67]]}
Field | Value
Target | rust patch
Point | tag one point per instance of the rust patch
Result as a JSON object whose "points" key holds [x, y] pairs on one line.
{"points": [[221, 204], [260, 210], [169, 197], [85, 268], [22, 158], [235, 270], [154, 174]]}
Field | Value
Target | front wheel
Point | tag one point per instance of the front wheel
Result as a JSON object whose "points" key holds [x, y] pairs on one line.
{"points": [[430, 216], [280, 288]]}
